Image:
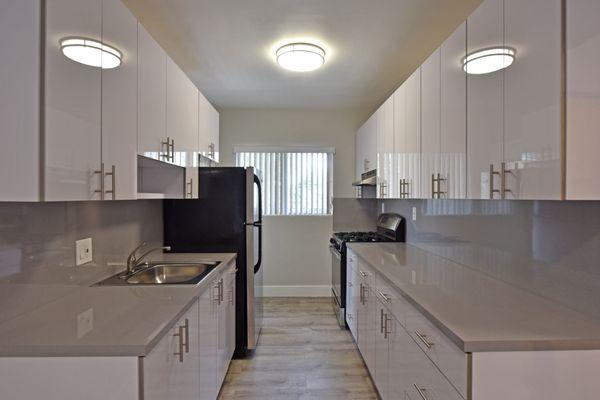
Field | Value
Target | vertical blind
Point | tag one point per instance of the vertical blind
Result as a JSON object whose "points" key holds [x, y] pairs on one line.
{"points": [[294, 183]]}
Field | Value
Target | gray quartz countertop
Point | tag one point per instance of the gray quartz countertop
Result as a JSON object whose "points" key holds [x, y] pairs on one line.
{"points": [[42, 311], [477, 312]]}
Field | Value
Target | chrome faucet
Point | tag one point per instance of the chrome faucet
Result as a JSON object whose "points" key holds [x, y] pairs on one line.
{"points": [[133, 261]]}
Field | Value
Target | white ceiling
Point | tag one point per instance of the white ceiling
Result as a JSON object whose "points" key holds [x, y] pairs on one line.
{"points": [[226, 46]]}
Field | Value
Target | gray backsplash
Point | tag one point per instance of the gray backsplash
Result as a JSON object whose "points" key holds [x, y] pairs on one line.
{"points": [[549, 248], [34, 235]]}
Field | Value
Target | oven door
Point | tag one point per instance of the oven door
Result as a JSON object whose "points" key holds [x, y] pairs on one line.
{"points": [[336, 284]]}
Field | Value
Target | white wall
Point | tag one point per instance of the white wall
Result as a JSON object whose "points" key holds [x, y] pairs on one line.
{"points": [[295, 250]]}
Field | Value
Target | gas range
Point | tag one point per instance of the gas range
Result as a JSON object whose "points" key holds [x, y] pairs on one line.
{"points": [[390, 228]]}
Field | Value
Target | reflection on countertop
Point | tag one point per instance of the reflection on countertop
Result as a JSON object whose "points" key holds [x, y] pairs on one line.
{"points": [[478, 312], [54, 311]]}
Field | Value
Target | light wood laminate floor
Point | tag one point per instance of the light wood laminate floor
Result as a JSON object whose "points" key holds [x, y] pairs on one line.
{"points": [[302, 354]]}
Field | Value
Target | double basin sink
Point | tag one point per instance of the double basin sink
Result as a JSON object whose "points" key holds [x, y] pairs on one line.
{"points": [[163, 273]]}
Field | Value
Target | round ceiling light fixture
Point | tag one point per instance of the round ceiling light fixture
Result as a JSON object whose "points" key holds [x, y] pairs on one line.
{"points": [[300, 57], [91, 52], [488, 60]]}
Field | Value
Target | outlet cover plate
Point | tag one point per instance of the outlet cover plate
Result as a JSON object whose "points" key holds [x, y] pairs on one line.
{"points": [[414, 213], [83, 251]]}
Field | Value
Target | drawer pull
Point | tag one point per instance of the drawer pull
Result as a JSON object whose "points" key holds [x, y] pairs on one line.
{"points": [[186, 327], [421, 391], [384, 296], [387, 332], [180, 334], [381, 330], [423, 338]]}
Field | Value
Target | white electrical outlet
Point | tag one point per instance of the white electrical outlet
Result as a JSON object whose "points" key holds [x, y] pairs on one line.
{"points": [[382, 207], [414, 213], [83, 251]]}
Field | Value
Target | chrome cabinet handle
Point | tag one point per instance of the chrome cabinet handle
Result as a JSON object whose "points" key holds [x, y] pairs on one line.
{"points": [[381, 321], [360, 297], [387, 332], [113, 175], [221, 291], [492, 174], [436, 180], [384, 296], [217, 286], [421, 391], [180, 335], [186, 326], [423, 338], [364, 275], [166, 144], [404, 189], [172, 150], [503, 173], [101, 173], [382, 187], [190, 188]]}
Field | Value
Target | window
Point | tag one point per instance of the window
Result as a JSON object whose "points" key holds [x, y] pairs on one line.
{"points": [[294, 182]]}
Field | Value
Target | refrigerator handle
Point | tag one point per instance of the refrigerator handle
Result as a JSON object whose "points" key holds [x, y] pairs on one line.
{"points": [[259, 224]]}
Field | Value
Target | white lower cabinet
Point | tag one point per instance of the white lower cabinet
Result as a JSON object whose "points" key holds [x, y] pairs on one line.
{"points": [[172, 369]]}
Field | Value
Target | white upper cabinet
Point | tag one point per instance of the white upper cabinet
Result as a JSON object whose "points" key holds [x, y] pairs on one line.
{"points": [[532, 103], [385, 148], [366, 147], [208, 129], [485, 102], [583, 99], [19, 96], [72, 93], [182, 116], [401, 190], [430, 127], [412, 155], [453, 115], [152, 98], [119, 104]]}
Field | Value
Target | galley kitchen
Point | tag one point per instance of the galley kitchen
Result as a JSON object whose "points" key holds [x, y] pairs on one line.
{"points": [[227, 199]]}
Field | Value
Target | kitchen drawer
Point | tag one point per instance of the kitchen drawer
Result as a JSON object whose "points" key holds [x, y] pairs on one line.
{"points": [[365, 273], [425, 381], [392, 298], [451, 360]]}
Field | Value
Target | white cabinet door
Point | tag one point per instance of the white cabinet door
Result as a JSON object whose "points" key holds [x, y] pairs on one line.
{"points": [[119, 103], [532, 127], [485, 28], [182, 116], [412, 155], [366, 147], [72, 104], [208, 305], [172, 369], [385, 147], [399, 347], [230, 298], [583, 99], [352, 293], [453, 115], [381, 373], [152, 97], [430, 124], [187, 372], [208, 130], [19, 96], [401, 189]]}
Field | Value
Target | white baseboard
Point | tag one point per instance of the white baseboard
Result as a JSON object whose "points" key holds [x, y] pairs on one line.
{"points": [[297, 291]]}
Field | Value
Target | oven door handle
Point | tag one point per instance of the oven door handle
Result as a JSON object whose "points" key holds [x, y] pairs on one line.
{"points": [[335, 252]]}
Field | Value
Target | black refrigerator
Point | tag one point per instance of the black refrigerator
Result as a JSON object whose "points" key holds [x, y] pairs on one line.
{"points": [[226, 218]]}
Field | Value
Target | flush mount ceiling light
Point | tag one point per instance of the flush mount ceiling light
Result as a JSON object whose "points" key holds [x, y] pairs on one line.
{"points": [[300, 57], [488, 60], [91, 52]]}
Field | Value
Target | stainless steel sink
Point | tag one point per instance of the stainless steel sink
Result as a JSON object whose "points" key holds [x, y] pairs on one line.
{"points": [[163, 273]]}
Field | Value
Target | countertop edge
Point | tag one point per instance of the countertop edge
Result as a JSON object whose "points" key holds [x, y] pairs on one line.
{"points": [[481, 346]]}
